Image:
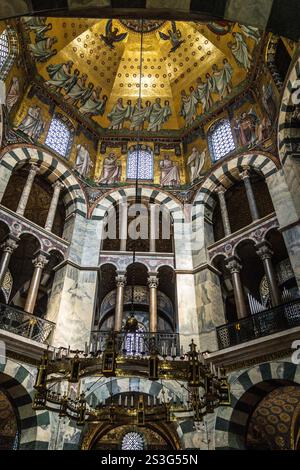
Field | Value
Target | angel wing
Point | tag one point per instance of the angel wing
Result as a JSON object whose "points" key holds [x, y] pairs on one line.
{"points": [[164, 36], [120, 37], [108, 28]]}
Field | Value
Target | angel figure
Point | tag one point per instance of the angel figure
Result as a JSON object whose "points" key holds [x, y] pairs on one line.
{"points": [[174, 37], [111, 35]]}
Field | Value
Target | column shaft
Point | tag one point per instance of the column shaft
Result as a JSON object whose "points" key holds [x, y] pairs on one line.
{"points": [[121, 281], [235, 268], [265, 253], [250, 196], [39, 264], [26, 190], [224, 212], [8, 248], [153, 234], [53, 206], [153, 284], [123, 220]]}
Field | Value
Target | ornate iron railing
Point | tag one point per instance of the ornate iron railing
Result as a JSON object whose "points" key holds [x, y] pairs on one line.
{"points": [[139, 343], [260, 324], [24, 324]]}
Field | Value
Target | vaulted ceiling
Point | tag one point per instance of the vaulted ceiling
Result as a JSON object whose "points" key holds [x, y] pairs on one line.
{"points": [[115, 67]]}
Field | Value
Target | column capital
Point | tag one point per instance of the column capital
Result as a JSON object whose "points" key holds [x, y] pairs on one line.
{"points": [[220, 189], [10, 245], [120, 280], [264, 251], [233, 265], [153, 281], [40, 261], [245, 174], [58, 185], [34, 169]]}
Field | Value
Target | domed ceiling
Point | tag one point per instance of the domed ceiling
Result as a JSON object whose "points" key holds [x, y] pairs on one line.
{"points": [[188, 69]]}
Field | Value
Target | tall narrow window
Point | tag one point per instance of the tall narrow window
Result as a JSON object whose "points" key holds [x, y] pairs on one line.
{"points": [[4, 48], [220, 139], [133, 441], [140, 164], [8, 51], [59, 137]]}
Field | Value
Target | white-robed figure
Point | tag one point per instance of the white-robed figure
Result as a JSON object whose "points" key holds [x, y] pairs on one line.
{"points": [[251, 32], [32, 124], [138, 116], [111, 171], [117, 115], [42, 49], [240, 51], [169, 173], [94, 106], [158, 115], [13, 93], [60, 75], [83, 161], [195, 163], [189, 105], [222, 79]]}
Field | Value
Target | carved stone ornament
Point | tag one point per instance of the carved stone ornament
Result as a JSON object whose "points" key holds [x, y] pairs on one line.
{"points": [[40, 261]]}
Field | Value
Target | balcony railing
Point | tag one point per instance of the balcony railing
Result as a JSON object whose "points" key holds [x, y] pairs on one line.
{"points": [[24, 324], [140, 343], [260, 324]]}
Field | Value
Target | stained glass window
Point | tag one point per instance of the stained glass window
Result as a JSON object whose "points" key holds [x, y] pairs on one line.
{"points": [[133, 441], [58, 137], [140, 162], [134, 342], [221, 139], [4, 48]]}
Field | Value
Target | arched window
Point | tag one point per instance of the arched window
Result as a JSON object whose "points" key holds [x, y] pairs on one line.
{"points": [[133, 441], [60, 136], [8, 51], [135, 342], [140, 163], [220, 139]]}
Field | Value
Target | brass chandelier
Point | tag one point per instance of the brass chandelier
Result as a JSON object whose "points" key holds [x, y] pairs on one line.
{"points": [[206, 387]]}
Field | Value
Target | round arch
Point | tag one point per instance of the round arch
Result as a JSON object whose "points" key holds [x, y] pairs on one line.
{"points": [[18, 381], [114, 197], [247, 389], [288, 132], [51, 167], [226, 174]]}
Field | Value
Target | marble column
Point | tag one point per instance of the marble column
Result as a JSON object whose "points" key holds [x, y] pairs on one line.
{"points": [[53, 205], [265, 253], [123, 221], [234, 267], [153, 228], [39, 263], [225, 218], [153, 285], [245, 175], [26, 190], [9, 246], [121, 282]]}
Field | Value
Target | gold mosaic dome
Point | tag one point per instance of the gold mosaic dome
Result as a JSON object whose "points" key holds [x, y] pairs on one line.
{"points": [[189, 69]]}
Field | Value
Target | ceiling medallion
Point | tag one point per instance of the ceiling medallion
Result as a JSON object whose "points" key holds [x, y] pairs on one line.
{"points": [[148, 25]]}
